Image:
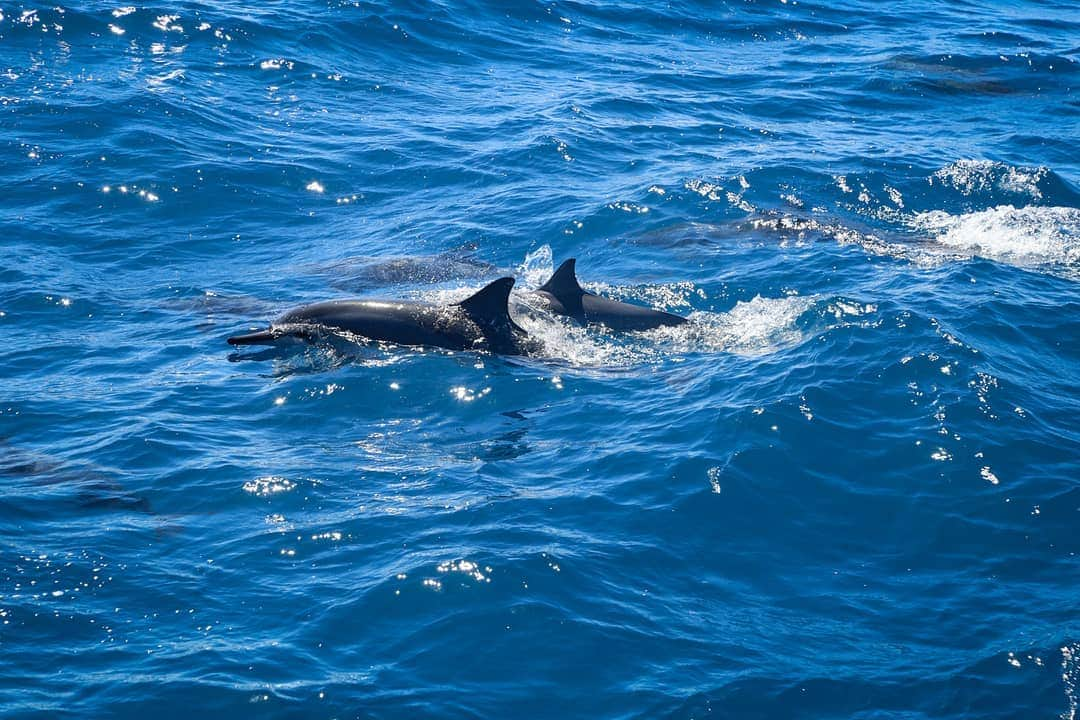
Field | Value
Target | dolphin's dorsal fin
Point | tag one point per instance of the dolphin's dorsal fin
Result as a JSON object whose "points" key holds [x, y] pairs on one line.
{"points": [[490, 305], [563, 284], [563, 281]]}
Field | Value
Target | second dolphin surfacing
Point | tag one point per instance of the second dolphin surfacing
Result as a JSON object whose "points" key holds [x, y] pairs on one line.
{"points": [[563, 295]]}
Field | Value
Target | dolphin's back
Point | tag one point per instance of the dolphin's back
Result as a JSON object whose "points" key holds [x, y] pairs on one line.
{"points": [[624, 316], [396, 321]]}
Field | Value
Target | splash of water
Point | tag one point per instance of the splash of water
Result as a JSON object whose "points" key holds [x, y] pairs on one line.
{"points": [[1019, 236]]}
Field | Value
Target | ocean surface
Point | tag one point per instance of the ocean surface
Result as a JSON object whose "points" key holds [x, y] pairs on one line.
{"points": [[849, 488]]}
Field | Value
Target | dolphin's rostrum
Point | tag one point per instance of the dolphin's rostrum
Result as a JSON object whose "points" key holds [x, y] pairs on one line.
{"points": [[563, 295], [480, 322]]}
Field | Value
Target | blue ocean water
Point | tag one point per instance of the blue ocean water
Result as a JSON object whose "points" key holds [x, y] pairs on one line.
{"points": [[848, 489]]}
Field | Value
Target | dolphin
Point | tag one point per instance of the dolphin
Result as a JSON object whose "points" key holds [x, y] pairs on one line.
{"points": [[563, 295], [480, 322]]}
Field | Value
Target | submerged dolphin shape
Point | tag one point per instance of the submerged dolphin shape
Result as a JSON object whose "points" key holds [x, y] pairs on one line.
{"points": [[480, 322], [563, 295]]}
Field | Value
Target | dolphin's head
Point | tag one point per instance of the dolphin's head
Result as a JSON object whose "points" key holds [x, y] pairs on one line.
{"points": [[275, 335]]}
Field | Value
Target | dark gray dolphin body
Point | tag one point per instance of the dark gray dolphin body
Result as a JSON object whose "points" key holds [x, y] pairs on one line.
{"points": [[563, 295], [481, 322]]}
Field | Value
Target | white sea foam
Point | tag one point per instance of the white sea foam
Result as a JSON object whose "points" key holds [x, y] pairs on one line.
{"points": [[1070, 676], [1019, 236], [567, 343], [972, 176], [1030, 236], [753, 327]]}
